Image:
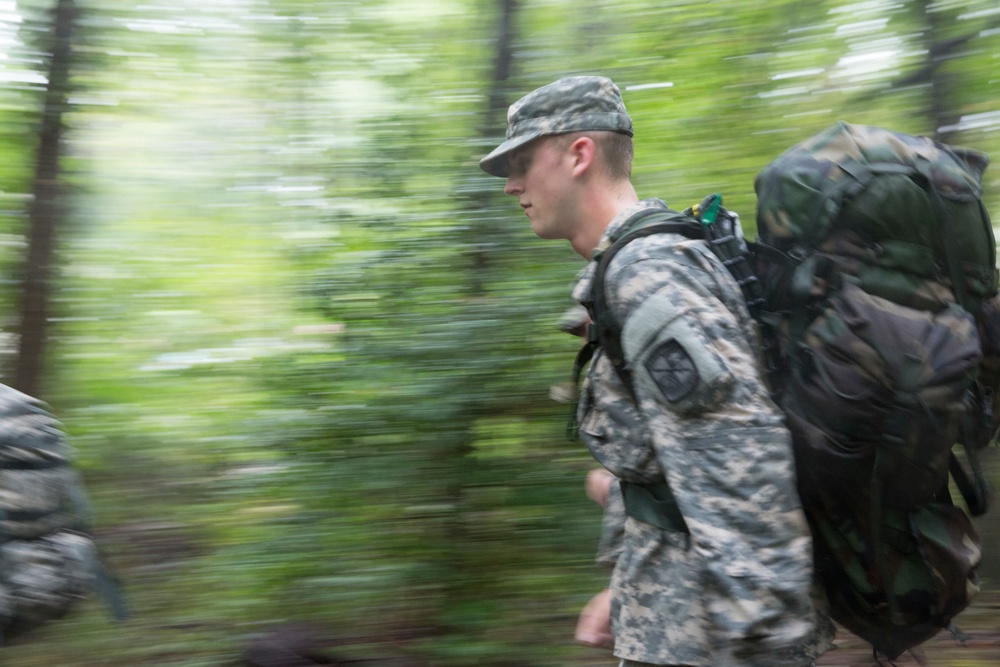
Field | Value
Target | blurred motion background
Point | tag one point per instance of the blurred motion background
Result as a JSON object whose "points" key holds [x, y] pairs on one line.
{"points": [[304, 347]]}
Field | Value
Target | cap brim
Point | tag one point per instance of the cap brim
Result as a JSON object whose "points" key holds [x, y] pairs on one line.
{"points": [[496, 163]]}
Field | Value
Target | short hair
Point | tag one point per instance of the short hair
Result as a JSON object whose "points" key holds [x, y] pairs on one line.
{"points": [[614, 149]]}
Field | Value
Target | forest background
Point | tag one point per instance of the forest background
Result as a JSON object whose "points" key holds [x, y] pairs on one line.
{"points": [[305, 348]]}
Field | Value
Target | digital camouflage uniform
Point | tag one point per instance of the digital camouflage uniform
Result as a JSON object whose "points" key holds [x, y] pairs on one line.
{"points": [[735, 591]]}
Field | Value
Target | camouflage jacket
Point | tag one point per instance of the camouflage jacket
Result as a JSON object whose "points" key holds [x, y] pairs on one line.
{"points": [[736, 590]]}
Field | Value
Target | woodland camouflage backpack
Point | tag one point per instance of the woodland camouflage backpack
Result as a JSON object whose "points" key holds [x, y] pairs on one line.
{"points": [[877, 262], [48, 561]]}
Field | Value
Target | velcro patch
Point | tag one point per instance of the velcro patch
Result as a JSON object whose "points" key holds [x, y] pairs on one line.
{"points": [[673, 370]]}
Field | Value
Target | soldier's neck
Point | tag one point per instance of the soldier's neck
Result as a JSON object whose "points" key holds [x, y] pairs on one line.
{"points": [[597, 212]]}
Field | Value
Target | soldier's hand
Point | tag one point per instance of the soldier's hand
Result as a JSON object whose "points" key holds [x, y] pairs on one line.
{"points": [[598, 485], [594, 625], [575, 321]]}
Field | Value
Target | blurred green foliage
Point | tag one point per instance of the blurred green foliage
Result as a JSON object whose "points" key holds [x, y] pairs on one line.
{"points": [[305, 347]]}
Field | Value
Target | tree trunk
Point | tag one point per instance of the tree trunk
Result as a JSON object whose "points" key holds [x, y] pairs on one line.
{"points": [[495, 114], [494, 120], [46, 214], [941, 108], [480, 199]]}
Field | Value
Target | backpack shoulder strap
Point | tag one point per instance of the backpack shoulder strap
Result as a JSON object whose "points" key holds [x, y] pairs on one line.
{"points": [[604, 331], [707, 221]]}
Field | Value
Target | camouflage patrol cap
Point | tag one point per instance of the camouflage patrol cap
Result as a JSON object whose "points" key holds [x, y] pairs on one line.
{"points": [[572, 104]]}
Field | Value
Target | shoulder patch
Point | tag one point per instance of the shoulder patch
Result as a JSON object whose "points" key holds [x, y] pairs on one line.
{"points": [[673, 370]]}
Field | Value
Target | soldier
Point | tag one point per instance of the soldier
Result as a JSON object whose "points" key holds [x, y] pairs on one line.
{"points": [[715, 566]]}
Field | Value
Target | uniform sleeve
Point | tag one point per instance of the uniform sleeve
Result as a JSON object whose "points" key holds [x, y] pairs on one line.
{"points": [[673, 334], [612, 528]]}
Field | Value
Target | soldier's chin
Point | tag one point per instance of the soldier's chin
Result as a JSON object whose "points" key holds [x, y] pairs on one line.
{"points": [[544, 233]]}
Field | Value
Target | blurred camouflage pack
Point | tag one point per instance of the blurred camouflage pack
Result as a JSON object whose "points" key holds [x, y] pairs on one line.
{"points": [[878, 263], [48, 560]]}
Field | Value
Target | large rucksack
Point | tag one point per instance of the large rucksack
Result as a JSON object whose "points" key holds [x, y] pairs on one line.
{"points": [[48, 559], [874, 281], [877, 261]]}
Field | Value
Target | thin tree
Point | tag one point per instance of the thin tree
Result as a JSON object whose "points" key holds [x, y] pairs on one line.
{"points": [[479, 205], [944, 40], [494, 117], [46, 213]]}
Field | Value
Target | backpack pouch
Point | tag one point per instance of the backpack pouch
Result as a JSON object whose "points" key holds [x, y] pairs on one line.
{"points": [[889, 379], [932, 555]]}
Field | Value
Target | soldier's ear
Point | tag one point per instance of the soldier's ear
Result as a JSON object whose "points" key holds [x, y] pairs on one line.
{"points": [[583, 152]]}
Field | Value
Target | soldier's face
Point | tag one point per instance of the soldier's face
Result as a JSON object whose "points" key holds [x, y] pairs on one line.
{"points": [[540, 177]]}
